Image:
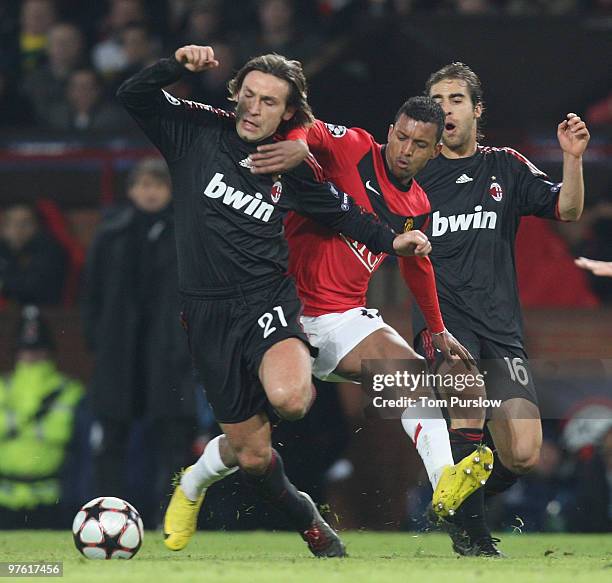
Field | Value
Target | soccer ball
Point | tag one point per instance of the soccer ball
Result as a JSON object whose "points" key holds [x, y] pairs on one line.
{"points": [[107, 528]]}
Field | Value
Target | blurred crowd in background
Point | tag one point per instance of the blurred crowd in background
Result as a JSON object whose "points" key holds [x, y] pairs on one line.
{"points": [[139, 415], [62, 61]]}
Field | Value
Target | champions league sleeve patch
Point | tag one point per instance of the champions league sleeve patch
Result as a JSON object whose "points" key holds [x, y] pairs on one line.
{"points": [[335, 130]]}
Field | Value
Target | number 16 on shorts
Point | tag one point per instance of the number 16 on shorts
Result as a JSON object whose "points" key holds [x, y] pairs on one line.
{"points": [[518, 371], [270, 320]]}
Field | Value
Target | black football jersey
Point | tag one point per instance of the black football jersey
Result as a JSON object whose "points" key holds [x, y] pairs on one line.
{"points": [[476, 207], [229, 222]]}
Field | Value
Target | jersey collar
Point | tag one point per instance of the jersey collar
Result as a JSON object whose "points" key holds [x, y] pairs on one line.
{"points": [[463, 159]]}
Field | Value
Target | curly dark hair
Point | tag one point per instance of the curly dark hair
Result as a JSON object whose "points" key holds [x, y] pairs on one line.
{"points": [[287, 70], [425, 109]]}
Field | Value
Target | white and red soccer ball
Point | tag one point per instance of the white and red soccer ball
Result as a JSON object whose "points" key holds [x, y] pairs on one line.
{"points": [[108, 528]]}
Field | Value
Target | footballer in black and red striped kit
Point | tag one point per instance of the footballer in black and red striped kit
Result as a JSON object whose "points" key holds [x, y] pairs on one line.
{"points": [[478, 195], [241, 309]]}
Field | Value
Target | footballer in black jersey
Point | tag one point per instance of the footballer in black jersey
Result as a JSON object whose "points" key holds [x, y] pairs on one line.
{"points": [[241, 310], [478, 196]]}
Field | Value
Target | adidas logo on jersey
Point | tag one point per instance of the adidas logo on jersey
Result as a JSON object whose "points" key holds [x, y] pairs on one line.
{"points": [[463, 179], [477, 220], [252, 205], [246, 163]]}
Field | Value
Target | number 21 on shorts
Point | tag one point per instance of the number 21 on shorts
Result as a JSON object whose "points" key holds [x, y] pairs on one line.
{"points": [[266, 320]]}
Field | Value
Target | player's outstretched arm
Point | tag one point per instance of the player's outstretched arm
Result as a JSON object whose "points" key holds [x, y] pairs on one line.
{"points": [[171, 124], [332, 145], [600, 268], [573, 137], [141, 90]]}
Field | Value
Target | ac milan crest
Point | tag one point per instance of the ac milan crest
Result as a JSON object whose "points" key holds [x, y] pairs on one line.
{"points": [[277, 190], [495, 190]]}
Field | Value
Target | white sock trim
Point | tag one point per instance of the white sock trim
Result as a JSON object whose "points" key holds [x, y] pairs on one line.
{"points": [[206, 471], [432, 443]]}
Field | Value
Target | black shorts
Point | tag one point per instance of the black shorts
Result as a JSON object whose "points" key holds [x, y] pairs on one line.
{"points": [[228, 337], [505, 367]]}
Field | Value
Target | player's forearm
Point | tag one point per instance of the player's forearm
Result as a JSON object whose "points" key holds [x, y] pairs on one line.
{"points": [[336, 210], [311, 136], [365, 228], [571, 196], [139, 92], [419, 276]]}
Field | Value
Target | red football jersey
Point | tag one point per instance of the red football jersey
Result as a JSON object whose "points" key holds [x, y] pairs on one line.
{"points": [[332, 271]]}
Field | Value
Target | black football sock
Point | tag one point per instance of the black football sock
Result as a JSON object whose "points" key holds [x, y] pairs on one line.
{"points": [[274, 487], [464, 442], [471, 514], [500, 480]]}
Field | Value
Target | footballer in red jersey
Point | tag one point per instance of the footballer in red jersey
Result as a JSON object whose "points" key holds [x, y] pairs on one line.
{"points": [[332, 272]]}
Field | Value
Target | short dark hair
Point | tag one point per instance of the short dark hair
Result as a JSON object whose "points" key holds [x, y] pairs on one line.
{"points": [[458, 71], [287, 70], [462, 72], [425, 109], [154, 167]]}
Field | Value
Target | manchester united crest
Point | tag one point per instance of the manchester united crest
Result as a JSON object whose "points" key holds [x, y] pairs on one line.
{"points": [[277, 190]]}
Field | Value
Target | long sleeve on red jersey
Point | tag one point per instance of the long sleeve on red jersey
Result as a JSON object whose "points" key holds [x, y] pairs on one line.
{"points": [[419, 275], [333, 146]]}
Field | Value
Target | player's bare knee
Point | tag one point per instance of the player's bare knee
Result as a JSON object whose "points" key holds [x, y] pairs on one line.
{"points": [[293, 408], [254, 460], [523, 459], [292, 403]]}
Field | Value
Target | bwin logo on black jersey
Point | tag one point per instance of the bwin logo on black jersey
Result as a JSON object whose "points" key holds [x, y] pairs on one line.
{"points": [[476, 220], [253, 206]]}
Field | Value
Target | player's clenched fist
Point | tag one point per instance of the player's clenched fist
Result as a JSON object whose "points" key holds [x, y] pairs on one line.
{"points": [[196, 58], [573, 135], [412, 243]]}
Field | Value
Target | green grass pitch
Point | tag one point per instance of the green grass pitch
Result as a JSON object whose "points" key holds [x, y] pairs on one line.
{"points": [[374, 557]]}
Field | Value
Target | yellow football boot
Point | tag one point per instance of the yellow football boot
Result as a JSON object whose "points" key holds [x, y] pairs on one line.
{"points": [[181, 518], [459, 481]]}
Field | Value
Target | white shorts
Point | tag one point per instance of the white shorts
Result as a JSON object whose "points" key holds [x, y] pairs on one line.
{"points": [[335, 335]]}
